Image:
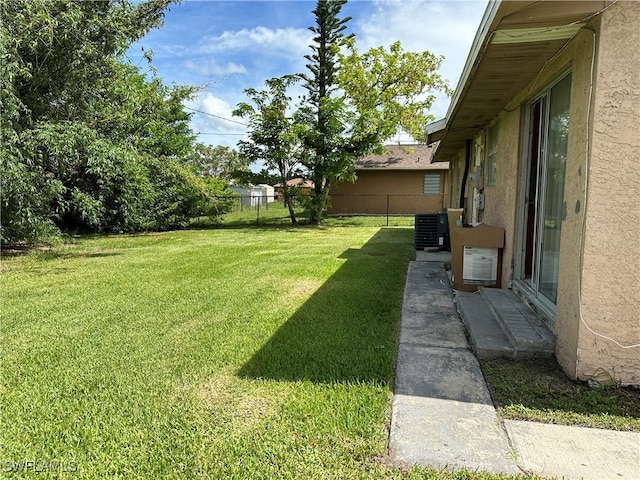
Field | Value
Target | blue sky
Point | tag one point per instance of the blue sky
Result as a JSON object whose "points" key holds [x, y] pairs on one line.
{"points": [[229, 46]]}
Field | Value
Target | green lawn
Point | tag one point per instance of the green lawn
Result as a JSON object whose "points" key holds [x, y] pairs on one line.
{"points": [[242, 353], [537, 390], [274, 214]]}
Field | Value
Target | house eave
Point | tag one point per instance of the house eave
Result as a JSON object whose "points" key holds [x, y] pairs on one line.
{"points": [[514, 42], [438, 167]]}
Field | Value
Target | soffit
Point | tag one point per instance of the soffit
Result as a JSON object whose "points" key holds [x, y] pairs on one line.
{"points": [[521, 39]]}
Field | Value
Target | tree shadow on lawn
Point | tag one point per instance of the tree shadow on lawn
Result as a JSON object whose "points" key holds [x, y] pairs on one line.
{"points": [[347, 330], [45, 252]]}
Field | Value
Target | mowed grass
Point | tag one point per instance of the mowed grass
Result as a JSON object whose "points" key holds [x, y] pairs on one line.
{"points": [[274, 214], [242, 353], [537, 390]]}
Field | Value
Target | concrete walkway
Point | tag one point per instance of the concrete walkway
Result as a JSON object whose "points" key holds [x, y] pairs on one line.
{"points": [[442, 414]]}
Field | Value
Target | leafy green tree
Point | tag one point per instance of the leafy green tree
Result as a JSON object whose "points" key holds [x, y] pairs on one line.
{"points": [[273, 135], [247, 177], [88, 141], [357, 102], [219, 161], [388, 91]]}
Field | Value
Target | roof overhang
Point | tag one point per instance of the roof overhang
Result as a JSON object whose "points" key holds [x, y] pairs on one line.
{"points": [[514, 41]]}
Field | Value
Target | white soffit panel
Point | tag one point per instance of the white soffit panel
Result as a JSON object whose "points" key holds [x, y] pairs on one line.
{"points": [[539, 34]]}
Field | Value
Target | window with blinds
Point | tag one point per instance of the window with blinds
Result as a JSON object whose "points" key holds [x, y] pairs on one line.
{"points": [[432, 184]]}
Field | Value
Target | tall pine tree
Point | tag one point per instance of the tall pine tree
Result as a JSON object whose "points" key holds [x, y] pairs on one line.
{"points": [[326, 157]]}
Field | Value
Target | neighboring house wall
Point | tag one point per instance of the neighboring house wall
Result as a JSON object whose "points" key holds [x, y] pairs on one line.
{"points": [[599, 260], [388, 191]]}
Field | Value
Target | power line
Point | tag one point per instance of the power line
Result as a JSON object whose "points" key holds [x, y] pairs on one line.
{"points": [[218, 133], [217, 116]]}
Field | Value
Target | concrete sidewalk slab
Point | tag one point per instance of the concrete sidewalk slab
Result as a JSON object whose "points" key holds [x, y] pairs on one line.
{"points": [[448, 434], [440, 373], [442, 414], [574, 453], [442, 330]]}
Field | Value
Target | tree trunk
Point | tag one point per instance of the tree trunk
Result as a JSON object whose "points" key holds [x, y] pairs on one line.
{"points": [[288, 201], [318, 202]]}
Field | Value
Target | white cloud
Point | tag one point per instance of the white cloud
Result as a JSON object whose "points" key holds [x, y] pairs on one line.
{"points": [[291, 41], [212, 67], [213, 120], [443, 28]]}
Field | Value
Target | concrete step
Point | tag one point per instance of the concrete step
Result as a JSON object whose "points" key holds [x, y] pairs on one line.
{"points": [[486, 336], [499, 324], [526, 332]]}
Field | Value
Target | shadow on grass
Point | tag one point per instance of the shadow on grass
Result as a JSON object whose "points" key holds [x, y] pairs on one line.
{"points": [[540, 385], [71, 255], [50, 253], [347, 330]]}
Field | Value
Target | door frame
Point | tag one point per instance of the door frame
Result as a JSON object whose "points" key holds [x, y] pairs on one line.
{"points": [[526, 286]]}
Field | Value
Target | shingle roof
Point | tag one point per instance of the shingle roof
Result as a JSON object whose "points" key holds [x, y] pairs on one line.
{"points": [[401, 157], [297, 182]]}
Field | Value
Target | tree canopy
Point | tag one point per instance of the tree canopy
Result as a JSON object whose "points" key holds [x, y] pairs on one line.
{"points": [[273, 134], [220, 161], [89, 142], [324, 114], [358, 101], [354, 103]]}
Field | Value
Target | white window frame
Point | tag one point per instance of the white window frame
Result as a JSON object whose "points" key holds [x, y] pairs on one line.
{"points": [[428, 184]]}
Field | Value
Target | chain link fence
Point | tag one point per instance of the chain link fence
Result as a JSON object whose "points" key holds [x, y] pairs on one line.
{"points": [[379, 210]]}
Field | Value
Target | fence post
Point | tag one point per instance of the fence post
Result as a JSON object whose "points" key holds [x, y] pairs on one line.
{"points": [[258, 213], [387, 209]]}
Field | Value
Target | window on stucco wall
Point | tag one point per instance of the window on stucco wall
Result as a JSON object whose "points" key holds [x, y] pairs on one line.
{"points": [[432, 184]]}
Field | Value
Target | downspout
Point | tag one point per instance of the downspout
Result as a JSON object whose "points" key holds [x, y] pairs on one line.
{"points": [[465, 176]]}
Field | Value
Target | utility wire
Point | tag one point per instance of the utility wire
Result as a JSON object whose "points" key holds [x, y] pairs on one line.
{"points": [[217, 116], [218, 133]]}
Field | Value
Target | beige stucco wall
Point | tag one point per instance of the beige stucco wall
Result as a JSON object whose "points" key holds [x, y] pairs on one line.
{"points": [[609, 300], [501, 198], [609, 271], [456, 171], [567, 321], [602, 272], [368, 195], [611, 264]]}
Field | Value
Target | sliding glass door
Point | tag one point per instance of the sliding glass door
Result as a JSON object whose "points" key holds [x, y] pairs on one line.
{"points": [[542, 210]]}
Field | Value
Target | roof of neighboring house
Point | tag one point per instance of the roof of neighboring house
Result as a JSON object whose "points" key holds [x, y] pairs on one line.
{"points": [[297, 182], [513, 44], [401, 157]]}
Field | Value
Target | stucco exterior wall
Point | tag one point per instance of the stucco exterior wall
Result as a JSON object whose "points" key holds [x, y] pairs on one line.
{"points": [[501, 198], [611, 263], [456, 172], [578, 351], [399, 192], [599, 265], [567, 321]]}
